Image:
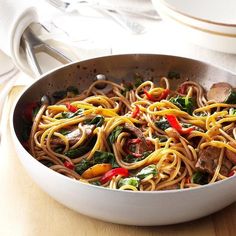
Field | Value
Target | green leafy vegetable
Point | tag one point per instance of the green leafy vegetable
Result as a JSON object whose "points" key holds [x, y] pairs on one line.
{"points": [[97, 183], [231, 98], [35, 111], [77, 152], [65, 131], [47, 163], [173, 75], [200, 178], [134, 181], [146, 171], [68, 115], [162, 124], [184, 103], [97, 120], [59, 150], [104, 157], [114, 134], [82, 166], [232, 111]]}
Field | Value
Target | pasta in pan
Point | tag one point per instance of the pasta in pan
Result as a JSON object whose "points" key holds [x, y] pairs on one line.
{"points": [[141, 137]]}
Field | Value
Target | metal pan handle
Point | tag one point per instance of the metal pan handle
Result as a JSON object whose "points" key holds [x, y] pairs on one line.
{"points": [[33, 45]]}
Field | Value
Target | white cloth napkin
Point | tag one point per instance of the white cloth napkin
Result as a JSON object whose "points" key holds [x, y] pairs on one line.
{"points": [[15, 17]]}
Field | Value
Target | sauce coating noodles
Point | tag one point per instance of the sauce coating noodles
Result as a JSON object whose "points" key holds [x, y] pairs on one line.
{"points": [[141, 138]]}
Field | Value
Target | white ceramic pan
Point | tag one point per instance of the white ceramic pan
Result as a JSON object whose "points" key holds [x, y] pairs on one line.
{"points": [[124, 207]]}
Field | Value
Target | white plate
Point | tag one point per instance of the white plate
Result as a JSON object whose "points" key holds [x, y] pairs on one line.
{"points": [[212, 11], [210, 34]]}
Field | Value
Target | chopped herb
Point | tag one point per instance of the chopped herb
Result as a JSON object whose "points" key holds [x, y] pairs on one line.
{"points": [[64, 131], [146, 171], [184, 103], [77, 152], [97, 183], [68, 115], [104, 157], [114, 134], [162, 124], [200, 178], [232, 111], [59, 150], [97, 120], [231, 98], [46, 163], [173, 75], [134, 181], [161, 138], [82, 166]]}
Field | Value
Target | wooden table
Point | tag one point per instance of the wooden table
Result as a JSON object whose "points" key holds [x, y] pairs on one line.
{"points": [[26, 210]]}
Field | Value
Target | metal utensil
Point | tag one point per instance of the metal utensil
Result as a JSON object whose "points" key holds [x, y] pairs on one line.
{"points": [[33, 45], [117, 15]]}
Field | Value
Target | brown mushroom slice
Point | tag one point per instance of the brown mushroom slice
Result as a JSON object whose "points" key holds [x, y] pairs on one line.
{"points": [[219, 92], [231, 155]]}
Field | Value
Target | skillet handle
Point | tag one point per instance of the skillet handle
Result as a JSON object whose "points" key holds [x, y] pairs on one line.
{"points": [[33, 45]]}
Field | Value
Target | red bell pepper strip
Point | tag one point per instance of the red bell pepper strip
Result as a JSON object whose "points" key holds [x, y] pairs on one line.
{"points": [[135, 112], [133, 141], [174, 123], [117, 171], [71, 107], [149, 96], [182, 89], [163, 94], [231, 173], [69, 165]]}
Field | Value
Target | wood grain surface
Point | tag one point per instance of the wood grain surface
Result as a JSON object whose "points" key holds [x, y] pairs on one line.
{"points": [[26, 210]]}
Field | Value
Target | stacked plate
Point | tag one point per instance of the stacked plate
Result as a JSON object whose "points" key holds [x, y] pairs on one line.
{"points": [[208, 23]]}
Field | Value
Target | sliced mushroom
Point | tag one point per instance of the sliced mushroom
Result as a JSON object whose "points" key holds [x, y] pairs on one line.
{"points": [[219, 92]]}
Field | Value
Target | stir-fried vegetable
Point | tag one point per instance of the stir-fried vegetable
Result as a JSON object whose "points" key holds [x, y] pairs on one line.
{"points": [[69, 165], [200, 178], [82, 166], [184, 103], [231, 98], [96, 170], [135, 112], [97, 120], [162, 124], [146, 171], [115, 133], [134, 181], [117, 171], [68, 115], [71, 108], [176, 125]]}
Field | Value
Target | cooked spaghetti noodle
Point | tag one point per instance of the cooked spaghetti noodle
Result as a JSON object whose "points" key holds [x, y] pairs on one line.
{"points": [[141, 138]]}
